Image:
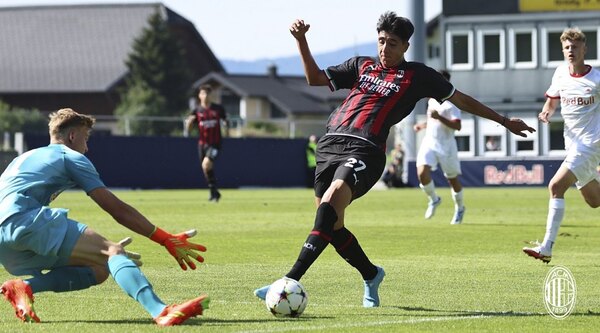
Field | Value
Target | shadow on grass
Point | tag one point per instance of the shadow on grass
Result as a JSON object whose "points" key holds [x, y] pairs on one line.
{"points": [[191, 321]]}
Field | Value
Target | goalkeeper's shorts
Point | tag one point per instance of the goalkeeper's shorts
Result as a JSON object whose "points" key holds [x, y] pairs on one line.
{"points": [[36, 240]]}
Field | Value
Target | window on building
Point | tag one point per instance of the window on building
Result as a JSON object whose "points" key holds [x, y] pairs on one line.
{"points": [[459, 46], [492, 139], [433, 51], [490, 49], [552, 55], [276, 112], [465, 137], [555, 139], [463, 142], [522, 47], [591, 37], [526, 146]]}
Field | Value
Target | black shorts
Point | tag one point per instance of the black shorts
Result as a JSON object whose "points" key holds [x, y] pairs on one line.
{"points": [[205, 150], [356, 162]]}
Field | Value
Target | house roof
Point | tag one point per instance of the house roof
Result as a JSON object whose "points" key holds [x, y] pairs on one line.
{"points": [[79, 48], [291, 94]]}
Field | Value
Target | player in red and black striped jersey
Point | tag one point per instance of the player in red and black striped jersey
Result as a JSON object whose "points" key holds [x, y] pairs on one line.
{"points": [[209, 117], [351, 155]]}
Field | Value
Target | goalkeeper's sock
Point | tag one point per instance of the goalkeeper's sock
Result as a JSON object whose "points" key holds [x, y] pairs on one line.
{"points": [[129, 277], [62, 279], [556, 213], [316, 242], [347, 247]]}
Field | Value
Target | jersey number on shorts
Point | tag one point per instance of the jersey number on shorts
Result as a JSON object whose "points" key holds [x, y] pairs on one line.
{"points": [[356, 165]]}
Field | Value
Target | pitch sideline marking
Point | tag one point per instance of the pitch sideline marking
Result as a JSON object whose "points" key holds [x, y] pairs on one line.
{"points": [[377, 323]]}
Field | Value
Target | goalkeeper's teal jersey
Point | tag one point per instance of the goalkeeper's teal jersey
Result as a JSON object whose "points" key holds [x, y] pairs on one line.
{"points": [[38, 176]]}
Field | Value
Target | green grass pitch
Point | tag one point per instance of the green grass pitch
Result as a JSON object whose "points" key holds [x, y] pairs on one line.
{"points": [[467, 278]]}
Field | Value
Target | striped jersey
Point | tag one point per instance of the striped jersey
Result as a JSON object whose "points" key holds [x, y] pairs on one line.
{"points": [[380, 97], [209, 123]]}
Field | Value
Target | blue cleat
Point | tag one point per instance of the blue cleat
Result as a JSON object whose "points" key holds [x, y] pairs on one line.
{"points": [[262, 292], [371, 297]]}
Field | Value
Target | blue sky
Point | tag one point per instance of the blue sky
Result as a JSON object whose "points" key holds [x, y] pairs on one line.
{"points": [[258, 29]]}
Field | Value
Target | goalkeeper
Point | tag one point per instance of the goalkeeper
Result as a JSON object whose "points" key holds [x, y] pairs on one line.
{"points": [[36, 238]]}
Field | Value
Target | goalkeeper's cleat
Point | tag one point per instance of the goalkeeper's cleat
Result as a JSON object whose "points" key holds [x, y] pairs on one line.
{"points": [[431, 207], [19, 294], [262, 292], [538, 253], [178, 313], [371, 297]]}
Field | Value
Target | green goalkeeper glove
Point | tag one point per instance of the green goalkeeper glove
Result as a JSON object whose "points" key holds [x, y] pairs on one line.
{"points": [[179, 247]]}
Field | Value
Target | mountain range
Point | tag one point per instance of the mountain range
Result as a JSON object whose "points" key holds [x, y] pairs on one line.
{"points": [[293, 66]]}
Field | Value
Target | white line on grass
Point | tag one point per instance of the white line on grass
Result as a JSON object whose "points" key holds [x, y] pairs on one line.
{"points": [[376, 323]]}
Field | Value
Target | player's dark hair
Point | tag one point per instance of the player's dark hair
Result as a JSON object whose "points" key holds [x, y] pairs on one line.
{"points": [[445, 74], [206, 87], [397, 25]]}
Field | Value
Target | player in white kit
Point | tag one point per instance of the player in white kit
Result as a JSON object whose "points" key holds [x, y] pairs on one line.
{"points": [[576, 86], [439, 147]]}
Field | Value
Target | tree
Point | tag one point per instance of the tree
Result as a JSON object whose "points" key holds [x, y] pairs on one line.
{"points": [[158, 81], [21, 120]]}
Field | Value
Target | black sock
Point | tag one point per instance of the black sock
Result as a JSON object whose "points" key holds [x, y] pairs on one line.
{"points": [[210, 179], [347, 247], [316, 242]]}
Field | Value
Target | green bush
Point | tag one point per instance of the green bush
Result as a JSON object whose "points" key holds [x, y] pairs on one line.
{"points": [[22, 120]]}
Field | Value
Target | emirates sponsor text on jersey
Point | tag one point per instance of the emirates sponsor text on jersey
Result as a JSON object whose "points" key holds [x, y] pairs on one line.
{"points": [[209, 123], [373, 83]]}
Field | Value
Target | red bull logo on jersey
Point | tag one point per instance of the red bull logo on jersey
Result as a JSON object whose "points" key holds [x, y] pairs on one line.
{"points": [[375, 84], [577, 100], [515, 174]]}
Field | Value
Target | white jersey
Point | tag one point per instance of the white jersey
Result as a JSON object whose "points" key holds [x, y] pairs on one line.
{"points": [[438, 136], [579, 103]]}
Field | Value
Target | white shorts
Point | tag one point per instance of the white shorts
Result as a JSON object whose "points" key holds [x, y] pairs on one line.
{"points": [[583, 162], [448, 162]]}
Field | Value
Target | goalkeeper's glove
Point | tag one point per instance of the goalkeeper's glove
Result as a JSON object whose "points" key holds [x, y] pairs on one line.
{"points": [[179, 247]]}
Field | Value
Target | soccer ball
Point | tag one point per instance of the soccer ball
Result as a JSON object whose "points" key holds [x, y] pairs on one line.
{"points": [[286, 298]]}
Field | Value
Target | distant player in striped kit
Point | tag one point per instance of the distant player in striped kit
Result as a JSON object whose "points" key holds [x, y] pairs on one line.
{"points": [[209, 117], [576, 86], [351, 155], [439, 147]]}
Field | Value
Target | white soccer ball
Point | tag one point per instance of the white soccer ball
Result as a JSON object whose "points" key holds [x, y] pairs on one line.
{"points": [[286, 298]]}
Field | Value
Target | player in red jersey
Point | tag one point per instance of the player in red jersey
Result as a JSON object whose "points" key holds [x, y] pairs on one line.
{"points": [[351, 155], [209, 117]]}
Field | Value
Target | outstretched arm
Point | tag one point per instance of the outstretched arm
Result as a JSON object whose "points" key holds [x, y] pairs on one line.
{"points": [[123, 213], [473, 106], [314, 75], [129, 217]]}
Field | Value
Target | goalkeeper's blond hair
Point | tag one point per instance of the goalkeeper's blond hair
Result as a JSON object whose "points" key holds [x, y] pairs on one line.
{"points": [[63, 120]]}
